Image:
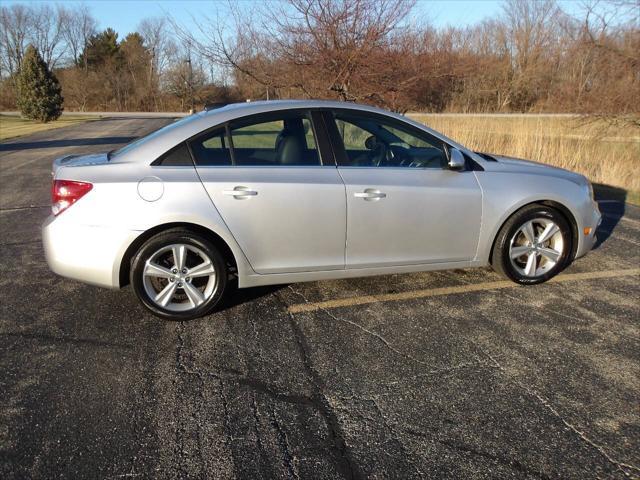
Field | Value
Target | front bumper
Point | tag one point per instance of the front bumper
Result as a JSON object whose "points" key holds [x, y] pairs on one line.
{"points": [[591, 219], [87, 253]]}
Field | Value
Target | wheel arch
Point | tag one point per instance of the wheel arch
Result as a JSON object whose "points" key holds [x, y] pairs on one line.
{"points": [[217, 240], [562, 209]]}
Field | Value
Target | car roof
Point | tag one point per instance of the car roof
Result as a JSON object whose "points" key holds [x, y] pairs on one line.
{"points": [[157, 143]]}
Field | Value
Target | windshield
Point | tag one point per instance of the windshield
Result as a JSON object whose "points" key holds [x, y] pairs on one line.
{"points": [[155, 133]]}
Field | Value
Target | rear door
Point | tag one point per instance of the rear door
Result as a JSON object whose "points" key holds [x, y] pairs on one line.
{"points": [[273, 179], [404, 206]]}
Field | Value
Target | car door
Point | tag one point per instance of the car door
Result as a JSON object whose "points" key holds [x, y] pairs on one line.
{"points": [[271, 184], [404, 206]]}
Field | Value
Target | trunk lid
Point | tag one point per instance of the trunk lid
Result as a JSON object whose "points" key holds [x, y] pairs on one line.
{"points": [[77, 161]]}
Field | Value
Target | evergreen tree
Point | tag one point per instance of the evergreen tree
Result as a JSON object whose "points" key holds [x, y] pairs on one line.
{"points": [[39, 93], [101, 49]]}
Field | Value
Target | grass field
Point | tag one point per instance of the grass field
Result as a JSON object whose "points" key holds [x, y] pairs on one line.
{"points": [[606, 155], [13, 126]]}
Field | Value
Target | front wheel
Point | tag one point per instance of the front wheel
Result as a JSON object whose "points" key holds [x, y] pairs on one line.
{"points": [[533, 246], [178, 275]]}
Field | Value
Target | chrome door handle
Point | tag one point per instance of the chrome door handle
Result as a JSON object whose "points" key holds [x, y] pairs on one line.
{"points": [[240, 192], [370, 194]]}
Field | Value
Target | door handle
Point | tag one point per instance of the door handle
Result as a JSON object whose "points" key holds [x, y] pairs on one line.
{"points": [[370, 194], [240, 192]]}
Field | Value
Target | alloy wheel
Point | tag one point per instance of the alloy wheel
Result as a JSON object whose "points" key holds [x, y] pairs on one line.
{"points": [[536, 247], [179, 277]]}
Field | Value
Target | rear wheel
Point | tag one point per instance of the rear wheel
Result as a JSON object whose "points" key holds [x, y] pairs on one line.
{"points": [[533, 245], [179, 275]]}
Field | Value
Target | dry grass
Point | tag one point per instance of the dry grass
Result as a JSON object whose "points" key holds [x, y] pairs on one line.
{"points": [[606, 155], [13, 126]]}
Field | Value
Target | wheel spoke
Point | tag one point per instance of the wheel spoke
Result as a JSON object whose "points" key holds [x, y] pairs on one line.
{"points": [[205, 269], [154, 270], [179, 256], [195, 296], [519, 251], [529, 233], [530, 269], [550, 253], [550, 230], [166, 294]]}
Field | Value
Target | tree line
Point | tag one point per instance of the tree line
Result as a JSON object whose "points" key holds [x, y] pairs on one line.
{"points": [[533, 57]]}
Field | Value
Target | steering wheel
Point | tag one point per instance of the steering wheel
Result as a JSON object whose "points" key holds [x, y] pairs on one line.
{"points": [[380, 152]]}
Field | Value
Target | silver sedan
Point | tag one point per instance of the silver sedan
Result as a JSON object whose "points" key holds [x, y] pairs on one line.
{"points": [[291, 191]]}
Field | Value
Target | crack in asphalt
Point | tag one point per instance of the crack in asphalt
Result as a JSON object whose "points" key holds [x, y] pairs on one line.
{"points": [[226, 425], [390, 425], [462, 447], [288, 458], [12, 244], [347, 466], [509, 462], [256, 424], [440, 371], [376, 335], [621, 466], [179, 449], [29, 207], [256, 417]]}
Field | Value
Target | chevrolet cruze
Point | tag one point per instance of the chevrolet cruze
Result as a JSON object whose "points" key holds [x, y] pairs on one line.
{"points": [[292, 191]]}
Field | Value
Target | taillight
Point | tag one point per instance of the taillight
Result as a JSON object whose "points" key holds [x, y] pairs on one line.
{"points": [[65, 193]]}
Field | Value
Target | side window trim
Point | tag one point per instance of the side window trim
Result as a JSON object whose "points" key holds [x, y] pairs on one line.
{"points": [[323, 140], [227, 134], [337, 145]]}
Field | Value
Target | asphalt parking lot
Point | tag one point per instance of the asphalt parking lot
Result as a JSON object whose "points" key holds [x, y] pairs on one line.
{"points": [[432, 375]]}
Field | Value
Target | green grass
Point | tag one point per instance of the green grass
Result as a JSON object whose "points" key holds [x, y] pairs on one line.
{"points": [[14, 126]]}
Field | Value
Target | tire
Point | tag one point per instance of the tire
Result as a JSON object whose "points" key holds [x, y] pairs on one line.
{"points": [[542, 237], [188, 292]]}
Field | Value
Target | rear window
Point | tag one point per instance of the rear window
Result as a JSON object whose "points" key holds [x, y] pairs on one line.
{"points": [[155, 133], [177, 156]]}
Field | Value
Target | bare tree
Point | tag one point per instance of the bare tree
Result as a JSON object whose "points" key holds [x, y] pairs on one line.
{"points": [[319, 48], [46, 33], [14, 35], [157, 38], [78, 26], [530, 30]]}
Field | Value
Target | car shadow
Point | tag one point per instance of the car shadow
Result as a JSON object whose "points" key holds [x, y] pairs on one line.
{"points": [[237, 296], [611, 201], [67, 142]]}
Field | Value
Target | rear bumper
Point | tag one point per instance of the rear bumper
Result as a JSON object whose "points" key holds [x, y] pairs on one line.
{"points": [[90, 254]]}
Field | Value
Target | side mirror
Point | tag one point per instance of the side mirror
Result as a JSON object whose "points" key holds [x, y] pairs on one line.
{"points": [[456, 159]]}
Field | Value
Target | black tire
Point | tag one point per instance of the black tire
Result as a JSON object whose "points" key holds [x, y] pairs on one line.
{"points": [[189, 238], [500, 255]]}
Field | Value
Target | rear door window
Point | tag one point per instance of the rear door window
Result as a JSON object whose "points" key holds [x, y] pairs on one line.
{"points": [[212, 149], [275, 139]]}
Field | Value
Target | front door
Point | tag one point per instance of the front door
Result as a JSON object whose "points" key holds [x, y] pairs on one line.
{"points": [[404, 207], [265, 175]]}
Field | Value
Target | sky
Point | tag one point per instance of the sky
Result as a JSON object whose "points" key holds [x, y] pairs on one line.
{"points": [[124, 16]]}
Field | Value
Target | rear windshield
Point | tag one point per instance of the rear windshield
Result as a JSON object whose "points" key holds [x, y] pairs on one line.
{"points": [[130, 146]]}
